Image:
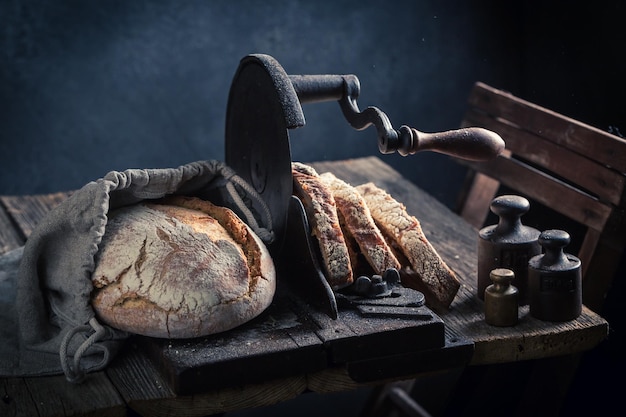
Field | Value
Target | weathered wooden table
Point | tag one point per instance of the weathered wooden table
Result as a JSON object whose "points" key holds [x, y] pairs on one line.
{"points": [[137, 381]]}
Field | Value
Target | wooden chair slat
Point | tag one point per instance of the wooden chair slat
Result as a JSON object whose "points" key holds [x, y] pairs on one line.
{"points": [[580, 171], [474, 204], [600, 271], [547, 190], [588, 248], [607, 149]]}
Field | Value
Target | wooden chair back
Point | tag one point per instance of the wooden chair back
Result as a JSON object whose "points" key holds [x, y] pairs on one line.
{"points": [[567, 166]]}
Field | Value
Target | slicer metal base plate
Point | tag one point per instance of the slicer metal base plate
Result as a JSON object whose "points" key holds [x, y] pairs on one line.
{"points": [[293, 338]]}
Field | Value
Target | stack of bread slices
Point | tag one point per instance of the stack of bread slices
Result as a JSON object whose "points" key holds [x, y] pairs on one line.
{"points": [[363, 230]]}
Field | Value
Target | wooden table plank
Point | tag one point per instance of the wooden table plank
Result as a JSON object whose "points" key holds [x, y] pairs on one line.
{"points": [[27, 210], [147, 393], [15, 397], [10, 237], [55, 397]]}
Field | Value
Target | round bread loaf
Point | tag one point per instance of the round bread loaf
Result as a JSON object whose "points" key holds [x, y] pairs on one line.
{"points": [[181, 268]]}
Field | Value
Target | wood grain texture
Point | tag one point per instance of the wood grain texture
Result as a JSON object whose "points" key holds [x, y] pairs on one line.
{"points": [[599, 145], [96, 396], [27, 210], [55, 397], [15, 398], [576, 168], [474, 203], [10, 238], [539, 186], [148, 394]]}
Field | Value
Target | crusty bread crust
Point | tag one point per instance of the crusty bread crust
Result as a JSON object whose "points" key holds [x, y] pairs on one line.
{"points": [[321, 211], [357, 222], [406, 234], [183, 268]]}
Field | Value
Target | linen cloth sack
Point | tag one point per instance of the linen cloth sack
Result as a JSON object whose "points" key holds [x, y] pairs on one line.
{"points": [[47, 324]]}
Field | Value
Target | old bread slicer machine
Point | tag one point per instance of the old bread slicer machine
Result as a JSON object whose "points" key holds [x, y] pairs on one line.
{"points": [[309, 327]]}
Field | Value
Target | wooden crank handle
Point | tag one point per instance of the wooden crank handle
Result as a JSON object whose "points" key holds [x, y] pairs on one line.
{"points": [[472, 143]]}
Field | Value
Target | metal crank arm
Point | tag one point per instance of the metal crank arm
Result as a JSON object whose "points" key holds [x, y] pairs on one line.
{"points": [[472, 143]]}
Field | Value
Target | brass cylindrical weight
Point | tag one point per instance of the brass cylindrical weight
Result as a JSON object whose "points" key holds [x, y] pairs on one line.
{"points": [[501, 299]]}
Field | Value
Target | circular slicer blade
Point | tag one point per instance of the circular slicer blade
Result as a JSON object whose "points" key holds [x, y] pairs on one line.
{"points": [[262, 106]]}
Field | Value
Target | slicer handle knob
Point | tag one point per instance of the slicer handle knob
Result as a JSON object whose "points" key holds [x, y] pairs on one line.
{"points": [[472, 143]]}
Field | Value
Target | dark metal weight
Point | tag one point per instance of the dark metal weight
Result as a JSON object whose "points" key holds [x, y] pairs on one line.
{"points": [[508, 244], [555, 280]]}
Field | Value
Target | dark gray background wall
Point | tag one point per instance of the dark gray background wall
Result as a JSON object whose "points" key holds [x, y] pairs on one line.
{"points": [[92, 86]]}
